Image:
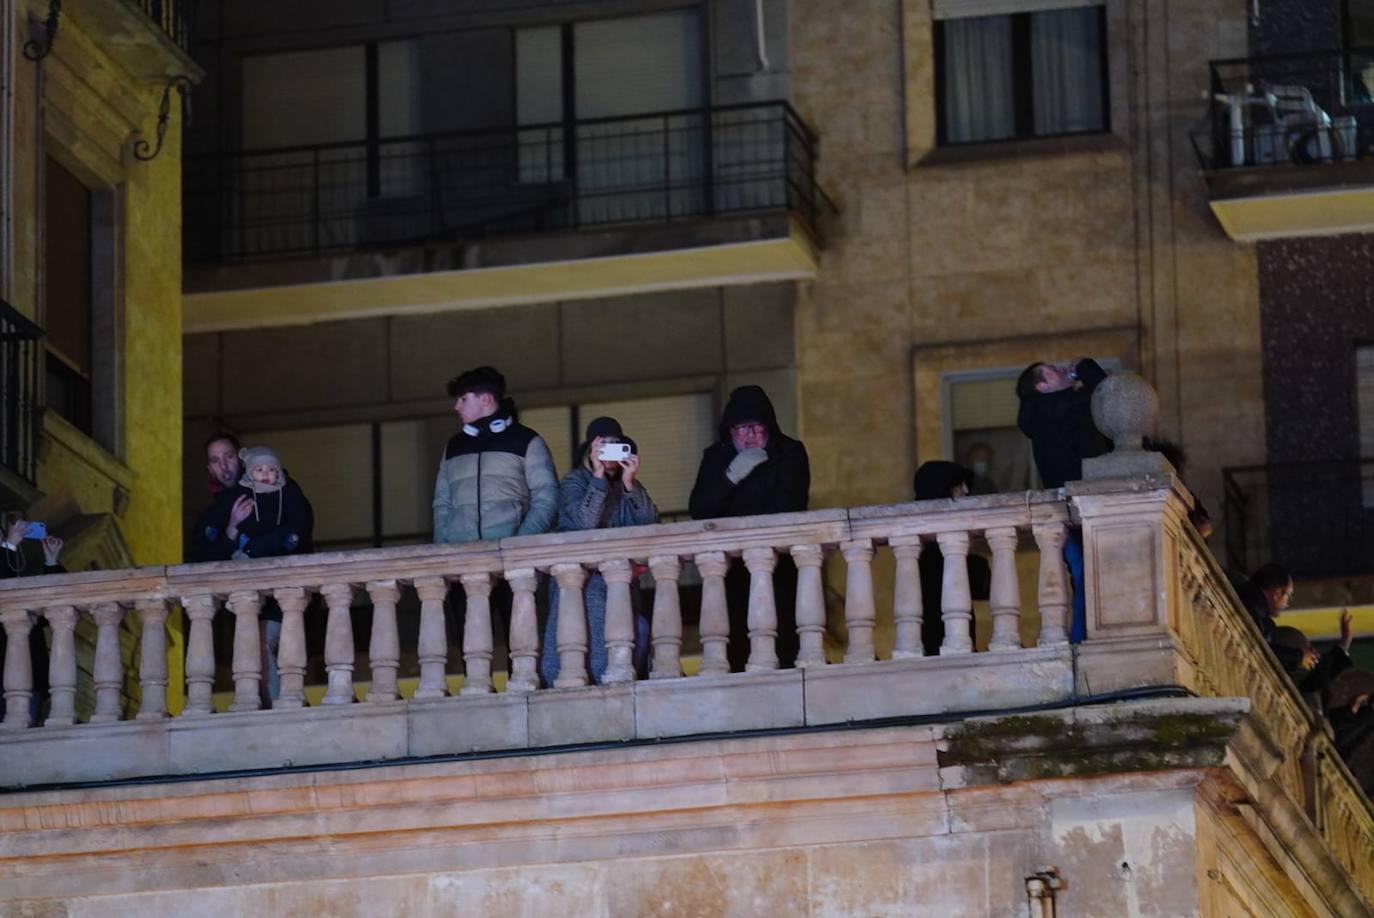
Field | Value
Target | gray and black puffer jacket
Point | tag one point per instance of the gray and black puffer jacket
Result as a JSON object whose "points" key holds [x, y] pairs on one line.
{"points": [[496, 479]]}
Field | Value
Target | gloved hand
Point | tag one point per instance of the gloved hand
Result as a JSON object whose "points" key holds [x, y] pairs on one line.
{"points": [[745, 461]]}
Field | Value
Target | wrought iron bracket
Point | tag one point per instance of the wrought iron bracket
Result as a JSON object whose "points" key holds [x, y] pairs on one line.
{"points": [[35, 51], [164, 113]]}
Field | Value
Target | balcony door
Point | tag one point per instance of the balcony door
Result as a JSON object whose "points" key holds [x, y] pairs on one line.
{"points": [[622, 98]]}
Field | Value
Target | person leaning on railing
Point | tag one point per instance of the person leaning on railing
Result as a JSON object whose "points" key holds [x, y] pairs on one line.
{"points": [[17, 563], [754, 468], [1056, 414], [599, 494], [937, 481]]}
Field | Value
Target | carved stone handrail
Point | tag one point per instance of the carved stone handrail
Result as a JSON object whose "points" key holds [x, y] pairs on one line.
{"points": [[1160, 612]]}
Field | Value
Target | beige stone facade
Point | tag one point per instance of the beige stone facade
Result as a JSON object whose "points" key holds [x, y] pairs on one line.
{"points": [[943, 260]]}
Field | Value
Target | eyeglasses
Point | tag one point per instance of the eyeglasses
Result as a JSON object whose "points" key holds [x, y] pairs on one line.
{"points": [[754, 428]]}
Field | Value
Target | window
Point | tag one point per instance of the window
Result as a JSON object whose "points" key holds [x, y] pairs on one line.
{"points": [[1359, 24], [69, 297], [1040, 73]]}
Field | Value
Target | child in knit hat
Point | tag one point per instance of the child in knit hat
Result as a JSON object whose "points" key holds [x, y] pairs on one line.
{"points": [[266, 514]]}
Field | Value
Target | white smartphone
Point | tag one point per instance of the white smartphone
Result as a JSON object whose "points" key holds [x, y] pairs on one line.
{"points": [[614, 452]]}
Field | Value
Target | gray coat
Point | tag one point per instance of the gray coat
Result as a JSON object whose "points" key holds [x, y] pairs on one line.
{"points": [[588, 502], [496, 479]]}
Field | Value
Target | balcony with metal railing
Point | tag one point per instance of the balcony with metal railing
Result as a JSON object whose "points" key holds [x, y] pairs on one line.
{"points": [[1288, 143], [20, 412], [1316, 518], [668, 198]]}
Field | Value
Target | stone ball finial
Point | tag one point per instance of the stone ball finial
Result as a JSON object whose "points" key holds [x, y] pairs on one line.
{"points": [[1126, 409]]}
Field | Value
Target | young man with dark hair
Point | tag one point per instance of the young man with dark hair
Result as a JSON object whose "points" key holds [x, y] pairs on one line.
{"points": [[1056, 413], [496, 477]]}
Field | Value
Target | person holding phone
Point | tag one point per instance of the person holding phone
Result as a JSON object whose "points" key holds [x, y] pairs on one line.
{"points": [[19, 564], [603, 492]]}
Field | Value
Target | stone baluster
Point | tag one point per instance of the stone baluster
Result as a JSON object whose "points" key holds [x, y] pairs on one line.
{"points": [[1053, 595], [572, 626], [384, 644], [200, 655], [667, 621], [291, 647], [956, 599], [1005, 593], [907, 611], [247, 665], [763, 610], [524, 631], [810, 605], [338, 643], [477, 639], [432, 646], [620, 622], [715, 616], [62, 666], [152, 659], [109, 664], [859, 611], [18, 679]]}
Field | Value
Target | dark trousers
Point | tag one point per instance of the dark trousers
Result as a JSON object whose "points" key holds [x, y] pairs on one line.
{"points": [[38, 663], [737, 602]]}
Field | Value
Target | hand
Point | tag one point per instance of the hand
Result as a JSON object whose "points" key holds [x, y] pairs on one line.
{"points": [[745, 461], [594, 453], [242, 509], [52, 547], [629, 470], [15, 533], [1347, 633]]}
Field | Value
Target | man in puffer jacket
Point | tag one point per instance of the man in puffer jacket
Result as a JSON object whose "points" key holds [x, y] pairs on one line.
{"points": [[496, 477]]}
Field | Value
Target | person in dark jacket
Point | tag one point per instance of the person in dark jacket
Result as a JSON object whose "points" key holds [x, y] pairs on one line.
{"points": [[754, 468], [265, 515], [941, 481], [18, 563], [599, 495], [208, 542], [1351, 714], [1056, 414], [1266, 594], [1313, 673]]}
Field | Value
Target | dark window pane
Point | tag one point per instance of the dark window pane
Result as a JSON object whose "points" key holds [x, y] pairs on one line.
{"points": [[1066, 70], [67, 260], [978, 99]]}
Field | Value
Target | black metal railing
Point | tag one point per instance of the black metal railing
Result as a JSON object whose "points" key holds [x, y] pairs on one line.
{"points": [[1316, 107], [173, 17], [602, 172], [20, 360], [1315, 518]]}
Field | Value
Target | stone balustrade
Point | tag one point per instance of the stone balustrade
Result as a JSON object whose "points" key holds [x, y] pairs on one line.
{"points": [[1160, 614]]}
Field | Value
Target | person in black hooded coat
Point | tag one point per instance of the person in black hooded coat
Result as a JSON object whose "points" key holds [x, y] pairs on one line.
{"points": [[754, 468], [940, 481]]}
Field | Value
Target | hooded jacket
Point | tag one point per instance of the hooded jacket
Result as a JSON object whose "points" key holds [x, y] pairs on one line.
{"points": [[282, 523], [496, 479], [781, 484], [1060, 427]]}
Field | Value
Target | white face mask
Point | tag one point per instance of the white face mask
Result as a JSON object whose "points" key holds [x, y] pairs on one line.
{"points": [[980, 468]]}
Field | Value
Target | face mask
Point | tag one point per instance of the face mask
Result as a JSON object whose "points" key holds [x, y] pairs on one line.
{"points": [[980, 468]]}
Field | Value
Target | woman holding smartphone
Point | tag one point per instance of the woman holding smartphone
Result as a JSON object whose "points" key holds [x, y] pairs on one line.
{"points": [[603, 492], [19, 564]]}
